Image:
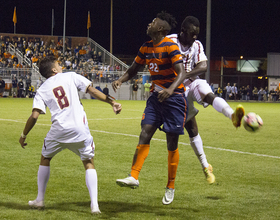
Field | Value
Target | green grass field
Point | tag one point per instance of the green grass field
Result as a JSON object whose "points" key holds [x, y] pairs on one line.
{"points": [[246, 166]]}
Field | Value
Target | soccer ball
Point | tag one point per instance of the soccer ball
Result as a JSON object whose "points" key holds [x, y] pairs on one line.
{"points": [[252, 122]]}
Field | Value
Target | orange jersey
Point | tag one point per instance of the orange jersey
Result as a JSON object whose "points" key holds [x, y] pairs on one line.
{"points": [[160, 58]]}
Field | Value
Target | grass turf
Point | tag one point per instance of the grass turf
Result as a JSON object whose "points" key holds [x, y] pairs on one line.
{"points": [[246, 166]]}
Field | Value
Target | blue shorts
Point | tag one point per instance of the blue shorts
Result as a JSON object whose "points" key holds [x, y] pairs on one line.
{"points": [[172, 113]]}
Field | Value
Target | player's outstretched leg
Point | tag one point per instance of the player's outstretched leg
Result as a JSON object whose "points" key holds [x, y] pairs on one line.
{"points": [[222, 106]]}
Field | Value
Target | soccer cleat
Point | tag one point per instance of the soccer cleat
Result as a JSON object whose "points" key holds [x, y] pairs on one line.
{"points": [[208, 171], [36, 205], [95, 210], [169, 196], [237, 116], [128, 182]]}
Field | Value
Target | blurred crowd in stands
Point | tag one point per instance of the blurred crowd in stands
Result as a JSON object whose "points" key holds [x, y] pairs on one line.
{"points": [[82, 59], [246, 93]]}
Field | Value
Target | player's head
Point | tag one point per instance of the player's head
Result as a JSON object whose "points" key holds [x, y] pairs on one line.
{"points": [[49, 66], [189, 30], [163, 23]]}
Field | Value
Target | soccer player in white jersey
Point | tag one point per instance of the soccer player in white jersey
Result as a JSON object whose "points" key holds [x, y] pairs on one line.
{"points": [[69, 127], [195, 61]]}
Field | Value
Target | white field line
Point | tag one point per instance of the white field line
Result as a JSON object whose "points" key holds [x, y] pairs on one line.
{"points": [[156, 139]]}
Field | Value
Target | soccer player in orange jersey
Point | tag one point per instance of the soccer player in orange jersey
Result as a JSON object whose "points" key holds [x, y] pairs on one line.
{"points": [[166, 105]]}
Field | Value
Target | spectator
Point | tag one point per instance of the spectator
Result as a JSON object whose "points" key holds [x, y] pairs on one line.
{"points": [[261, 93], [248, 93], [135, 89], [31, 91], [2, 86], [99, 58], [255, 93], [265, 96], [106, 90], [228, 91], [27, 85], [234, 91], [272, 95], [147, 86], [14, 87], [277, 93], [20, 88], [219, 92], [95, 57]]}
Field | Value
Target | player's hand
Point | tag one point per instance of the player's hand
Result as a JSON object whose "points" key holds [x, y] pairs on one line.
{"points": [[116, 85], [164, 94], [21, 141], [117, 107]]}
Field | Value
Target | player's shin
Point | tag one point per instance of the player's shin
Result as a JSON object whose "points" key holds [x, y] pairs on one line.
{"points": [[91, 181], [141, 153], [222, 106], [173, 161], [197, 145], [43, 178]]}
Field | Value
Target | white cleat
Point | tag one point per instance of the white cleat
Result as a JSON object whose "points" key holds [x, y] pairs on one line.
{"points": [[128, 182], [95, 210], [36, 205], [169, 196]]}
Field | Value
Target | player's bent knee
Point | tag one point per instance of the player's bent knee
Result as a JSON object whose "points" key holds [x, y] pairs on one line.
{"points": [[88, 164], [209, 98]]}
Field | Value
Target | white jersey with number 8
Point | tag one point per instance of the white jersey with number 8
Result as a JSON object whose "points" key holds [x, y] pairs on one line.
{"points": [[60, 94]]}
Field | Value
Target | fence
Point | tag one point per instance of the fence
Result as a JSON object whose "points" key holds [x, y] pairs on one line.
{"points": [[98, 81]]}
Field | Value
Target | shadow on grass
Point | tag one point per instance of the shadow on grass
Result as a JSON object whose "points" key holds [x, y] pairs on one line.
{"points": [[110, 209], [13, 205], [113, 209]]}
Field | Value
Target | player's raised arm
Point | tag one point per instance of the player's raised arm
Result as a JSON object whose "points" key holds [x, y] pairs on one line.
{"points": [[117, 107], [31, 121], [129, 73]]}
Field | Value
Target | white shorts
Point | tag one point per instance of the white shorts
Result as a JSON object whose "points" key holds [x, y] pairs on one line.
{"points": [[84, 149], [196, 91]]}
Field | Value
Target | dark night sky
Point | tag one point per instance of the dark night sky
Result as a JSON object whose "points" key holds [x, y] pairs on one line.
{"points": [[238, 27]]}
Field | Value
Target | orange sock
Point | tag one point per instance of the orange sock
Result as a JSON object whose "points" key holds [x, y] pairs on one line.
{"points": [[173, 161], [141, 153]]}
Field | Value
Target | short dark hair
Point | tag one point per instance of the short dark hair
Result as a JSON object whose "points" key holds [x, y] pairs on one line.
{"points": [[190, 20], [46, 65], [168, 18]]}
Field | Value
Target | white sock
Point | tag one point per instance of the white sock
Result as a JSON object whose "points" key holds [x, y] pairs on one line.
{"points": [[42, 181], [197, 145], [222, 106], [91, 181]]}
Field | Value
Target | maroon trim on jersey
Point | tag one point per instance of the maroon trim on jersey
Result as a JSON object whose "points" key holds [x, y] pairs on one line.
{"points": [[199, 49], [45, 144]]}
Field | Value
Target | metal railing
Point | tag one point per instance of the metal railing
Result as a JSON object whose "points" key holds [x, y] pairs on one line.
{"points": [[107, 57]]}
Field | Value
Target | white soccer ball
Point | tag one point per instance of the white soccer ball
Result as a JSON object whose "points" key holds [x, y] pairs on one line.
{"points": [[252, 122]]}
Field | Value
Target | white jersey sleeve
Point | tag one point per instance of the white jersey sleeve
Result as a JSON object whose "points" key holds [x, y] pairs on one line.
{"points": [[38, 103]]}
